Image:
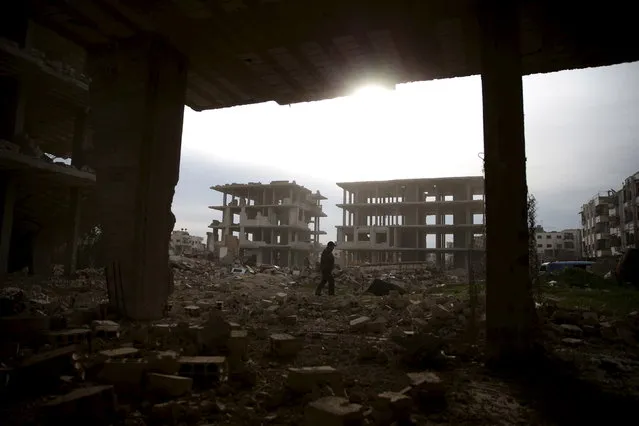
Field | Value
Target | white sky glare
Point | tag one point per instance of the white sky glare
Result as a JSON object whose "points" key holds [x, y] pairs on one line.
{"points": [[582, 136]]}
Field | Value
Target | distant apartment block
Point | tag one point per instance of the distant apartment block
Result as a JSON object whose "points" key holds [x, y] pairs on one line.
{"points": [[276, 223], [595, 226], [184, 243], [412, 220], [558, 245], [624, 216]]}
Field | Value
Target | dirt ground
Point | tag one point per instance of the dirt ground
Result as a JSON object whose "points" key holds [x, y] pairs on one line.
{"points": [[588, 370]]}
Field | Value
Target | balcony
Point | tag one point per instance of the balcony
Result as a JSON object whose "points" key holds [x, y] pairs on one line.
{"points": [[602, 218]]}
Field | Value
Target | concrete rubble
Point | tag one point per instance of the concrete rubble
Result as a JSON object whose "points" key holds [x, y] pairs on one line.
{"points": [[236, 348]]}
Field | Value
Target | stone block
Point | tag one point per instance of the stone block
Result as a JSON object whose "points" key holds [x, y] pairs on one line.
{"points": [[168, 385], [427, 381], [571, 330], [106, 329], [82, 316], [74, 336], [205, 369], [192, 310], [237, 347], [427, 390], [333, 411], [305, 379], [377, 326], [359, 324], [94, 405], [392, 406], [285, 345], [161, 330], [119, 353], [22, 327], [124, 374], [165, 362], [571, 341]]}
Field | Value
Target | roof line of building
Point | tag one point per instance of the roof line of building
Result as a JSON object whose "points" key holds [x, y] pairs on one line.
{"points": [[419, 180]]}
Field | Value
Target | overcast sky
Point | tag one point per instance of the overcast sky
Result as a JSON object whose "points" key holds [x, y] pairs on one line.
{"points": [[582, 136]]}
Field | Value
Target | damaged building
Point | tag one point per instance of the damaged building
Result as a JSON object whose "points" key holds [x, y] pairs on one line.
{"points": [[46, 183], [276, 223], [412, 220]]}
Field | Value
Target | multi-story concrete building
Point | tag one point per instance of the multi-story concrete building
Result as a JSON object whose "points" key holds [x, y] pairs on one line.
{"points": [[558, 245], [184, 243], [610, 220], [595, 225], [624, 216], [411, 220], [270, 223]]}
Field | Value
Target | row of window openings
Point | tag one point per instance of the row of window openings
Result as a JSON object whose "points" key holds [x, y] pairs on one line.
{"points": [[566, 245], [566, 237], [431, 219], [425, 198]]}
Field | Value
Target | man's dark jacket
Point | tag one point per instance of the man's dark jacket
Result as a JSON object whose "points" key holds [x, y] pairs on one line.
{"points": [[327, 261]]}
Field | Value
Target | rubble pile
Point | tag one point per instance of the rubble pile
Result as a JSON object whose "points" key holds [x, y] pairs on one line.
{"points": [[255, 346]]}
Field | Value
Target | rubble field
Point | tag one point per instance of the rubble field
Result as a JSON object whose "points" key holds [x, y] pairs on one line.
{"points": [[393, 347]]}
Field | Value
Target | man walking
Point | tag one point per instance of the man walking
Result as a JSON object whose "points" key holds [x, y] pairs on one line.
{"points": [[327, 263]]}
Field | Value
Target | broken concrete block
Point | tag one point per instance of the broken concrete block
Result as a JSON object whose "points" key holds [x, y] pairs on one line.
{"points": [[216, 329], [571, 330], [169, 385], [75, 336], [105, 329], [192, 310], [81, 316], [285, 345], [237, 347], [359, 324], [305, 379], [19, 327], [119, 353], [94, 405], [160, 331], [383, 288], [206, 369], [124, 374], [441, 312], [590, 318], [571, 341], [165, 362], [427, 381], [333, 411], [427, 390], [377, 326], [391, 406]]}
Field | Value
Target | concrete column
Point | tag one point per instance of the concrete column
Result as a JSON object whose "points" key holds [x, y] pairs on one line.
{"points": [[73, 231], [137, 102], [8, 197], [510, 309]]}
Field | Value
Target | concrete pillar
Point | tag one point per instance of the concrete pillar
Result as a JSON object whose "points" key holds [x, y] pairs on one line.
{"points": [[510, 309], [137, 103], [8, 197], [73, 231]]}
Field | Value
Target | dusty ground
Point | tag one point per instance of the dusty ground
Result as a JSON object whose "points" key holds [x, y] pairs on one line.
{"points": [[593, 374]]}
